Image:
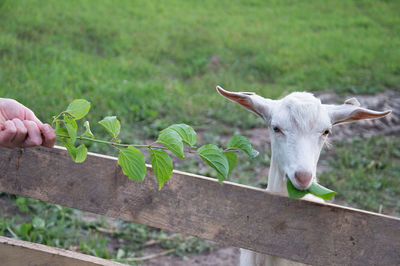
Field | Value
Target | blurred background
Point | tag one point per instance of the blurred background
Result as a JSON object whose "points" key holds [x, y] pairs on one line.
{"points": [[156, 63]]}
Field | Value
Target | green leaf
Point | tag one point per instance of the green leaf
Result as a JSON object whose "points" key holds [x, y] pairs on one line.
{"points": [[38, 223], [232, 160], [23, 230], [61, 131], [186, 132], [80, 154], [112, 125], [315, 189], [88, 132], [132, 163], [242, 143], [71, 126], [162, 165], [78, 108], [67, 143], [220, 178], [320, 191], [215, 158], [171, 139], [295, 193]]}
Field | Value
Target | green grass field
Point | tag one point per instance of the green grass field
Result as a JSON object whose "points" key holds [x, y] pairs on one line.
{"points": [[157, 63], [160, 62]]}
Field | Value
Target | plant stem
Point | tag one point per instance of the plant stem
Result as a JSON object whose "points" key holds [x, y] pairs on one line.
{"points": [[56, 117], [116, 144], [231, 149], [109, 142]]}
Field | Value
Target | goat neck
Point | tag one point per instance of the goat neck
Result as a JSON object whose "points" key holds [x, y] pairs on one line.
{"points": [[276, 179]]}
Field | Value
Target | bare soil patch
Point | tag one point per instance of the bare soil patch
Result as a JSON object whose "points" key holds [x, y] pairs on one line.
{"points": [[223, 256]]}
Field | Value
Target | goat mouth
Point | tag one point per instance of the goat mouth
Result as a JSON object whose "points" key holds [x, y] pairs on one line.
{"points": [[301, 187], [296, 185]]}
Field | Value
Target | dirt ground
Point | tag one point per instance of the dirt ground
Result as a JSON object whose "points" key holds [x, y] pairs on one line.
{"points": [[388, 126], [222, 256]]}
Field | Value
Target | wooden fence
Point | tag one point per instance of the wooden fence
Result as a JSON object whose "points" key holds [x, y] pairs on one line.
{"points": [[231, 214]]}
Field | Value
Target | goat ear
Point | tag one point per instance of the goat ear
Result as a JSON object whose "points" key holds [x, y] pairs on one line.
{"points": [[351, 111], [253, 102]]}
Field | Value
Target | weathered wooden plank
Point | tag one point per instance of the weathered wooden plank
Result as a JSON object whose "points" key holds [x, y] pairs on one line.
{"points": [[19, 253], [251, 218]]}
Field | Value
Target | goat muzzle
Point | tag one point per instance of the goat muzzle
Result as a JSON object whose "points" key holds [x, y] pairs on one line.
{"points": [[303, 178]]}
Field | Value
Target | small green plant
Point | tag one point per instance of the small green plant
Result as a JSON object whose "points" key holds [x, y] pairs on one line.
{"points": [[173, 138], [66, 228], [95, 245]]}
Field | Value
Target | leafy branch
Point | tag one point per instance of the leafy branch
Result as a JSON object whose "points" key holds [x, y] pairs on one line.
{"points": [[174, 139]]}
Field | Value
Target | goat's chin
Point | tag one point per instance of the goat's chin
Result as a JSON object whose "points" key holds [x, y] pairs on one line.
{"points": [[303, 187], [313, 198]]}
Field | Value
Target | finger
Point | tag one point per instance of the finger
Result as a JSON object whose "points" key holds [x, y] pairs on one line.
{"points": [[34, 136], [8, 134], [29, 115], [49, 136], [21, 134]]}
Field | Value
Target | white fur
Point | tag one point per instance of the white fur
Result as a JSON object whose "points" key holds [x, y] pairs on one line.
{"points": [[302, 120]]}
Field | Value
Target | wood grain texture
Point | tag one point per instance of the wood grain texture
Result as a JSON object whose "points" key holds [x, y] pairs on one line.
{"points": [[251, 218], [20, 253]]}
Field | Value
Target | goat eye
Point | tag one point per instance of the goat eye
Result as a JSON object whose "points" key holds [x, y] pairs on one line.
{"points": [[277, 130], [326, 132]]}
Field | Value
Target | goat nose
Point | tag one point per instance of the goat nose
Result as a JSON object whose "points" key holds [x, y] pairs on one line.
{"points": [[303, 178]]}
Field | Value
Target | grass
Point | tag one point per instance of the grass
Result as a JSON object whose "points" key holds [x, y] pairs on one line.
{"points": [[157, 63], [54, 225], [366, 173]]}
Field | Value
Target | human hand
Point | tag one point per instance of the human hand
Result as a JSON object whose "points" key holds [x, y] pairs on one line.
{"points": [[19, 127]]}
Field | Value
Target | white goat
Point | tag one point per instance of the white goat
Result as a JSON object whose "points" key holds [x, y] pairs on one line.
{"points": [[299, 126]]}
